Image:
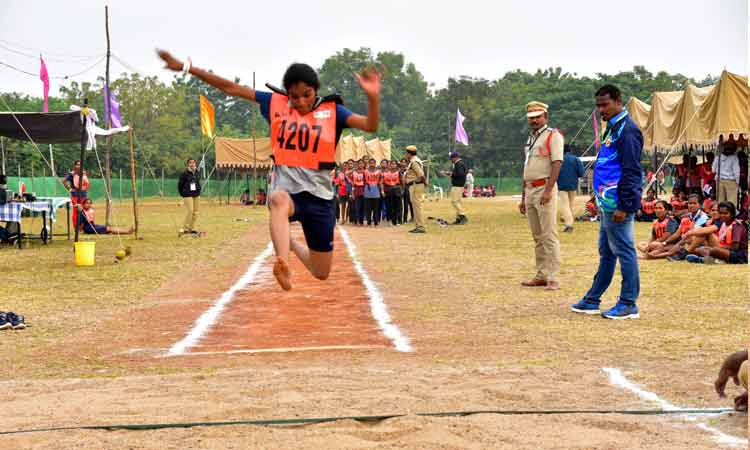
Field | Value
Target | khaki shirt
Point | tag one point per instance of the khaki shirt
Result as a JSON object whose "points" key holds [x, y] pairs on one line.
{"points": [[537, 163], [415, 171]]}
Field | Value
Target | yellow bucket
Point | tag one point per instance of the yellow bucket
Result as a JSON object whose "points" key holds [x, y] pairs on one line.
{"points": [[85, 253]]}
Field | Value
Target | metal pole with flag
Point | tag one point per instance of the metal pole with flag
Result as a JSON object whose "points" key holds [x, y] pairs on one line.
{"points": [[461, 135], [208, 123], [44, 76]]}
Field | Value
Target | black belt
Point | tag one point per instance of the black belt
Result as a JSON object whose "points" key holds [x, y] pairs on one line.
{"points": [[414, 182]]}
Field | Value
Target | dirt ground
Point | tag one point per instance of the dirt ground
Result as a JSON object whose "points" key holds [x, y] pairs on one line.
{"points": [[480, 344]]}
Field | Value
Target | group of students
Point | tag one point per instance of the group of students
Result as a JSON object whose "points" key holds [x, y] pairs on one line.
{"points": [[480, 191], [703, 232], [368, 192]]}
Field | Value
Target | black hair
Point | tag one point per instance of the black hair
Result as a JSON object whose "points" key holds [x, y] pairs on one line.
{"points": [[664, 203], [730, 207], [77, 161], [694, 196], [188, 161], [611, 90], [299, 72], [3, 179]]}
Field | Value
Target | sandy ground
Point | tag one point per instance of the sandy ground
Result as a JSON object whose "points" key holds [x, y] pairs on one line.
{"points": [[464, 359]]}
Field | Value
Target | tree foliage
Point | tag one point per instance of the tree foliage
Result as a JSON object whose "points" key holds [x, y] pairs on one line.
{"points": [[167, 122]]}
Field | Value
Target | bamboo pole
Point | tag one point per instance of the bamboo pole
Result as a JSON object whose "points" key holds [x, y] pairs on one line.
{"points": [[107, 107], [255, 158], [132, 181], [84, 113]]}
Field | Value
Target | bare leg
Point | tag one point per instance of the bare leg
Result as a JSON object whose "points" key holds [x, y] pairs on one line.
{"points": [[282, 208], [119, 230], [318, 263], [643, 247]]}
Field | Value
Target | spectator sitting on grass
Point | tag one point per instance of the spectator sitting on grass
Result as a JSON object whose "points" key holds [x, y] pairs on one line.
{"points": [[662, 228], [647, 213], [245, 197], [695, 218], [730, 244], [699, 236], [679, 203], [89, 226]]}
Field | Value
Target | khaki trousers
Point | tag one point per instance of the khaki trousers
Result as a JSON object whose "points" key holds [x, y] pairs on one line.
{"points": [[543, 225], [567, 206], [728, 191], [456, 195], [191, 212], [416, 191]]}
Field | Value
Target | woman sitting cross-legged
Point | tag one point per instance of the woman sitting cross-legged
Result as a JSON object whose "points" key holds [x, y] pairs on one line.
{"points": [[730, 244], [662, 228]]}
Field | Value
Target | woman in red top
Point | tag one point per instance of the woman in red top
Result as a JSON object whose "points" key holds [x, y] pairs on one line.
{"points": [[358, 193], [661, 230], [392, 188]]}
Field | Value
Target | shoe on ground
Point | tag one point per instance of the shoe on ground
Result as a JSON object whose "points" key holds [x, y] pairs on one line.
{"points": [[679, 256], [586, 307], [418, 231], [17, 322], [457, 221], [622, 311], [4, 323], [568, 230], [694, 259], [534, 282]]}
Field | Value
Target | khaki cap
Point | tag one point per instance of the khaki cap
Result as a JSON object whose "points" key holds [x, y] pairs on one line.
{"points": [[412, 149], [534, 109]]}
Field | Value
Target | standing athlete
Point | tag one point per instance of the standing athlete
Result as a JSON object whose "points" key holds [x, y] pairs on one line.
{"points": [[305, 129]]}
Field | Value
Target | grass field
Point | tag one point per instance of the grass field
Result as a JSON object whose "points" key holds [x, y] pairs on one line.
{"points": [[481, 341]]}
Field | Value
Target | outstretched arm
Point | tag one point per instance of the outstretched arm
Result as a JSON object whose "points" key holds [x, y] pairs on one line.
{"points": [[226, 86], [369, 80]]}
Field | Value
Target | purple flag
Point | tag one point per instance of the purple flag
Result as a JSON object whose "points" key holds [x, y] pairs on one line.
{"points": [[115, 119], [461, 135], [44, 76]]}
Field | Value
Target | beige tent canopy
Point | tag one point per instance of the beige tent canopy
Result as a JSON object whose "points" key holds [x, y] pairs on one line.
{"points": [[238, 153], [695, 116], [355, 147]]}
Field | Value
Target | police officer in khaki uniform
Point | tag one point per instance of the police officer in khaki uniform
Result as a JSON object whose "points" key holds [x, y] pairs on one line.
{"points": [[543, 157], [415, 180]]}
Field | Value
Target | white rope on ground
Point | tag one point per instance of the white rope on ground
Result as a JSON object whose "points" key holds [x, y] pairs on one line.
{"points": [[618, 379], [377, 304], [207, 320]]}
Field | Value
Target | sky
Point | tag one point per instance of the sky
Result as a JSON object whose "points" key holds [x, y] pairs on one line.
{"points": [[477, 38]]}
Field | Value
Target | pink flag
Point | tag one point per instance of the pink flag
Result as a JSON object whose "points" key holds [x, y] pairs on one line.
{"points": [[597, 144], [45, 79], [461, 135]]}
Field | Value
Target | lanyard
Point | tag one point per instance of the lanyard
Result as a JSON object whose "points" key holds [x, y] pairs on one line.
{"points": [[609, 129], [530, 142]]}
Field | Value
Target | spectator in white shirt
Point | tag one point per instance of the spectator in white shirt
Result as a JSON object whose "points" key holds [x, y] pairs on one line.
{"points": [[727, 170]]}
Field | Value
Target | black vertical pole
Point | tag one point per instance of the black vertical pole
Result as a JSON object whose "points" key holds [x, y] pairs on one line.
{"points": [[84, 113]]}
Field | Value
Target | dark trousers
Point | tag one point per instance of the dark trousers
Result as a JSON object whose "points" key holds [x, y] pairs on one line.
{"points": [[394, 207], [407, 206], [372, 210], [359, 210]]}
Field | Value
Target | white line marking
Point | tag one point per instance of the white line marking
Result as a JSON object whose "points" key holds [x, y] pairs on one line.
{"points": [[287, 349], [209, 317], [377, 304], [618, 379]]}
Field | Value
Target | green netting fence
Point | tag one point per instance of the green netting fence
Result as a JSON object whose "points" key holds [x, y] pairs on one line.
{"points": [[229, 185]]}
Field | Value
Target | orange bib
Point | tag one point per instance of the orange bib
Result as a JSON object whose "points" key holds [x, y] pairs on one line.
{"points": [[391, 178], [660, 228], [372, 177], [303, 140]]}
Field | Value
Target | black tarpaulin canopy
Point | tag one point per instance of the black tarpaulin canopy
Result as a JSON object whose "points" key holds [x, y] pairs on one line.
{"points": [[44, 128]]}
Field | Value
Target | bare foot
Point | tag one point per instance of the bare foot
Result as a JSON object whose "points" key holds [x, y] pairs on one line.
{"points": [[282, 274]]}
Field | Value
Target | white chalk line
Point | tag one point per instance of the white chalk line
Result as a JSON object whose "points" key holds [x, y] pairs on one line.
{"points": [[209, 317], [287, 350], [377, 304], [618, 379]]}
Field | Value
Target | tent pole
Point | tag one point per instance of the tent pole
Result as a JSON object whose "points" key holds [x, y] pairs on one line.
{"points": [[255, 158], [108, 152], [132, 181], [84, 113], [720, 150], [2, 149]]}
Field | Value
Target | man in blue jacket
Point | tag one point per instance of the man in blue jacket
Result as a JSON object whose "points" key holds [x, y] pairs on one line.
{"points": [[617, 186], [567, 186]]}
